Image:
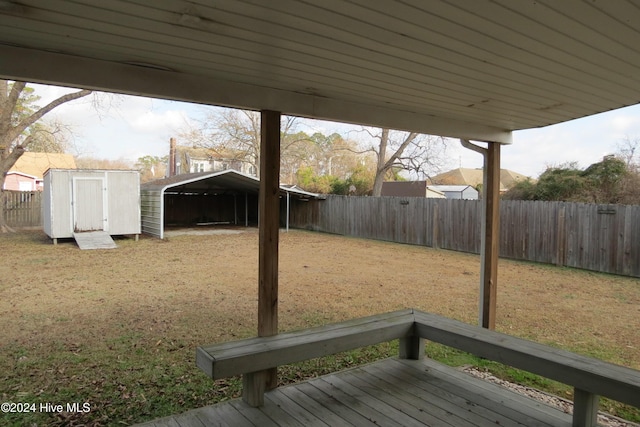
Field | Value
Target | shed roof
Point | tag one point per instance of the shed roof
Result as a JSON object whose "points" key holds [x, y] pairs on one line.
{"points": [[460, 68], [217, 182]]}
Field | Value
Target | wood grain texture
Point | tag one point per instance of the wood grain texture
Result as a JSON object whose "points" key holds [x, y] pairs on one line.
{"points": [[592, 377], [391, 392], [269, 238]]}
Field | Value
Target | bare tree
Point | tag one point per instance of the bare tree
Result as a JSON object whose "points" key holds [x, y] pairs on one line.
{"points": [[417, 153], [235, 135], [20, 127], [629, 152]]}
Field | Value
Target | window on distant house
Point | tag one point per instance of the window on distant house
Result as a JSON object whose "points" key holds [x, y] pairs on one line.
{"points": [[198, 166]]}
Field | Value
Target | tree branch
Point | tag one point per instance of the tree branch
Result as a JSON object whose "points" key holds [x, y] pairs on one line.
{"points": [[24, 124]]}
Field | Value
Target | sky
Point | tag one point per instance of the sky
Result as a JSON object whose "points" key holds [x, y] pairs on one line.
{"points": [[129, 127]]}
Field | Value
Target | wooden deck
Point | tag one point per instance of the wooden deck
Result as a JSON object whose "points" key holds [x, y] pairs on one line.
{"points": [[393, 392]]}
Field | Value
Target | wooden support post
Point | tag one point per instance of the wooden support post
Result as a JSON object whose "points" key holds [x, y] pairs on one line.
{"points": [[585, 408], [412, 347], [253, 387], [255, 384], [491, 237]]}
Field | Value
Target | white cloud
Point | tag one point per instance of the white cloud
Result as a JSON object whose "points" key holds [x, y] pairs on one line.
{"points": [[623, 124]]}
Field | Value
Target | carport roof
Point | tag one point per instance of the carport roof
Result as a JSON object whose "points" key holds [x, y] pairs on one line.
{"points": [[462, 68], [216, 182]]}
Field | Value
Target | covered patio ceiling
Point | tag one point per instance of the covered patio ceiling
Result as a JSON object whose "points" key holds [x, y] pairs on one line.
{"points": [[460, 68]]}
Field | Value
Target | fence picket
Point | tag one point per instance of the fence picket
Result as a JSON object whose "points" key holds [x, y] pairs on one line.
{"points": [[22, 208]]}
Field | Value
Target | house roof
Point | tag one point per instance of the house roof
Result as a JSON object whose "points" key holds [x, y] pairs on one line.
{"points": [[473, 177], [22, 174], [36, 164], [225, 180], [460, 68], [194, 152]]}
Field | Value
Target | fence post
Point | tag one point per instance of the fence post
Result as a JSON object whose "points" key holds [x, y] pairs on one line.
{"points": [[561, 238], [435, 232]]}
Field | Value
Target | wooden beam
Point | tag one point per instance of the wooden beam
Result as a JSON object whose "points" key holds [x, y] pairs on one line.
{"points": [[491, 237], [55, 68], [255, 384]]}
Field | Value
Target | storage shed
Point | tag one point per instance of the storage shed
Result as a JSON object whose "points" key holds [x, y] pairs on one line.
{"points": [[207, 198], [79, 200]]}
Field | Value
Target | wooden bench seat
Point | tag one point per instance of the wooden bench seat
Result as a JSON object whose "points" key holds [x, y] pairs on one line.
{"points": [[590, 377], [584, 373], [257, 354]]}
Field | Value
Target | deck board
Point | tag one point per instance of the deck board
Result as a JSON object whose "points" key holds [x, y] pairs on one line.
{"points": [[391, 393]]}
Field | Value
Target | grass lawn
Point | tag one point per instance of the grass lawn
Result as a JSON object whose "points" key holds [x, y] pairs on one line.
{"points": [[117, 329]]}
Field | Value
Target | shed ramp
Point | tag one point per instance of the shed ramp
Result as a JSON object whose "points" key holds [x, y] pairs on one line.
{"points": [[94, 240]]}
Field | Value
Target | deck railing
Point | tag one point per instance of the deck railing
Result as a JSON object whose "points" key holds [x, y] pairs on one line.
{"points": [[590, 377]]}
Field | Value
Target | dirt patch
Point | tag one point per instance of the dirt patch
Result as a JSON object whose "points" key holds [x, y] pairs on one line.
{"points": [[84, 323]]}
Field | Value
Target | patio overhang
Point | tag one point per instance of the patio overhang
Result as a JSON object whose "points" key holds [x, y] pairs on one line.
{"points": [[474, 70]]}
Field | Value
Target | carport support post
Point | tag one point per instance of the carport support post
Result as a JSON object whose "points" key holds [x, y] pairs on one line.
{"points": [[256, 383]]}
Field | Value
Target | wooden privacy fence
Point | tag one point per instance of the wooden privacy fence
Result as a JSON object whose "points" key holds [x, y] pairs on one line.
{"points": [[22, 208], [603, 238]]}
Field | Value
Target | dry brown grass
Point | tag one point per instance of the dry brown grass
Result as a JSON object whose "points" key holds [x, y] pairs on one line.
{"points": [[160, 299]]}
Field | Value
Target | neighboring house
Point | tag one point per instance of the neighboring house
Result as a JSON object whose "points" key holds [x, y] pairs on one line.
{"points": [[473, 177], [410, 189], [28, 171], [192, 160], [18, 181], [465, 192]]}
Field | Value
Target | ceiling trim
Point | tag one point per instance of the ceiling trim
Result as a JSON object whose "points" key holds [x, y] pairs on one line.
{"points": [[67, 70]]}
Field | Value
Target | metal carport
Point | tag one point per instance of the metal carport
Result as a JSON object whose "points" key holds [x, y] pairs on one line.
{"points": [[227, 196]]}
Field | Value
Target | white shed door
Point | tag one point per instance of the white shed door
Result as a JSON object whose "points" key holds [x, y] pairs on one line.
{"points": [[88, 204]]}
